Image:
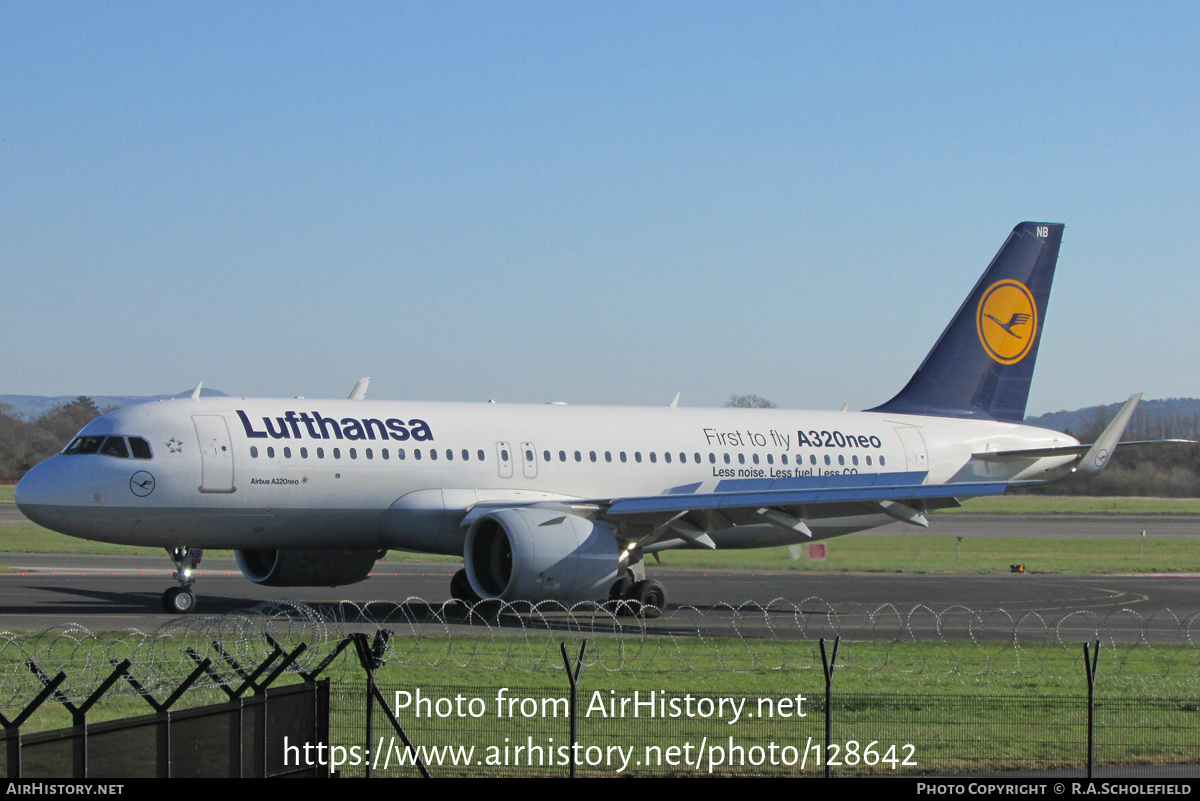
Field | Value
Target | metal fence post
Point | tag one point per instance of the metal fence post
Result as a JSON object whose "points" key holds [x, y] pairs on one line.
{"points": [[573, 678], [829, 664], [1089, 666]]}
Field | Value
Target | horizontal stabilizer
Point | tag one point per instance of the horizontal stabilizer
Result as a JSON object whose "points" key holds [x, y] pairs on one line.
{"points": [[1070, 450]]}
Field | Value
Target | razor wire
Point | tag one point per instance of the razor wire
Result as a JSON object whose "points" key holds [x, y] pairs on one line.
{"points": [[781, 635]]}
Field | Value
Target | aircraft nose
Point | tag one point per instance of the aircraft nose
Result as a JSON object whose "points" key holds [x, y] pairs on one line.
{"points": [[39, 491]]}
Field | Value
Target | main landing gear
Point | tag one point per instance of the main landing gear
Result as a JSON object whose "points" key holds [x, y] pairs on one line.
{"points": [[180, 599], [641, 597]]}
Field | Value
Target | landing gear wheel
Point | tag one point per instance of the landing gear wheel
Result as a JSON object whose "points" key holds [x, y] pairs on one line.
{"points": [[621, 589], [620, 596], [652, 597], [179, 600], [460, 589]]}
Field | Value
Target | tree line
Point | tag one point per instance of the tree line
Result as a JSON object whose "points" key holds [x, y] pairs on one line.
{"points": [[24, 443]]}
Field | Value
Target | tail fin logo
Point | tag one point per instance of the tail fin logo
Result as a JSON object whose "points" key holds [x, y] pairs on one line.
{"points": [[1007, 321]]}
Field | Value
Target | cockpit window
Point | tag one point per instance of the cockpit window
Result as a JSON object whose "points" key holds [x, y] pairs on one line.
{"points": [[120, 447], [84, 445], [115, 446]]}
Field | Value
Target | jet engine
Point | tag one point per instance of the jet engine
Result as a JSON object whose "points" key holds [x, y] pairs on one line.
{"points": [[306, 568], [533, 554]]}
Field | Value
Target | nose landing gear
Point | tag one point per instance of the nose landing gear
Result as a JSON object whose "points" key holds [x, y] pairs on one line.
{"points": [[180, 599]]}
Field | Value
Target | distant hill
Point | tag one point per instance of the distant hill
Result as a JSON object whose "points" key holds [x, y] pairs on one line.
{"points": [[1173, 417], [30, 407]]}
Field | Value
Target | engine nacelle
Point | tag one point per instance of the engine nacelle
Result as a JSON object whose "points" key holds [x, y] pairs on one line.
{"points": [[306, 568], [531, 554]]}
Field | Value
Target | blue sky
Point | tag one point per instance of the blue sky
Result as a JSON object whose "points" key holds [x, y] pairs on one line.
{"points": [[596, 203]]}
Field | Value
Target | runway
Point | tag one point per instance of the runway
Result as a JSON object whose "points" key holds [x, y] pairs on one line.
{"points": [[108, 593]]}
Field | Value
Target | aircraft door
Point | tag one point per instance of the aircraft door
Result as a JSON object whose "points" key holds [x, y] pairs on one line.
{"points": [[529, 457], [216, 453], [914, 449], [504, 459]]}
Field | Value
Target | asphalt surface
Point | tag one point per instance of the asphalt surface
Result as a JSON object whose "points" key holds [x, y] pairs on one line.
{"points": [[105, 593], [116, 592]]}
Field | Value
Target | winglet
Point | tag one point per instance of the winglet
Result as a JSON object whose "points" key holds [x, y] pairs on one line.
{"points": [[1096, 459], [196, 391], [675, 401], [360, 389]]}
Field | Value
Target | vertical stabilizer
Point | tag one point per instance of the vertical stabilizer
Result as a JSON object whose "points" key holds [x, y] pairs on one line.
{"points": [[982, 365]]}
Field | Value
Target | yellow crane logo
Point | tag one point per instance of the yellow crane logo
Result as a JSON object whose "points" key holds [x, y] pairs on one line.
{"points": [[1007, 321]]}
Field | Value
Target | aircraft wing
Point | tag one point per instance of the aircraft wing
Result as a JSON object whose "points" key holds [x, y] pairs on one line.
{"points": [[786, 503], [809, 492]]}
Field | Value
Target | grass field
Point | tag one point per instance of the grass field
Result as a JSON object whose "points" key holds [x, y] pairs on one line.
{"points": [[963, 707], [857, 553], [1076, 504]]}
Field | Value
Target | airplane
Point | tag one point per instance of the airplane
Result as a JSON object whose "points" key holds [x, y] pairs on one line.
{"points": [[561, 502]]}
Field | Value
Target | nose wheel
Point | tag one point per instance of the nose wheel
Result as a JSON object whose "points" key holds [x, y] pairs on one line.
{"points": [[180, 599]]}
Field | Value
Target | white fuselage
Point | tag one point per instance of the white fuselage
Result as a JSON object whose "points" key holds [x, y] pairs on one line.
{"points": [[328, 474]]}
